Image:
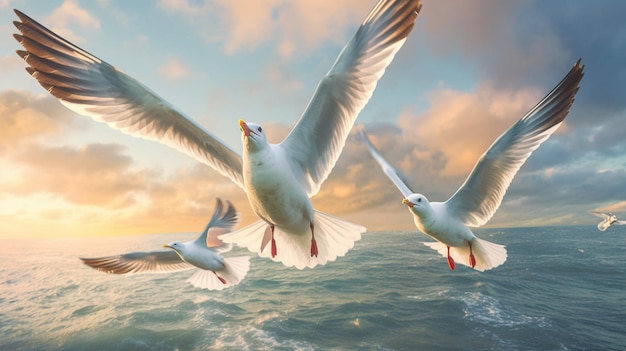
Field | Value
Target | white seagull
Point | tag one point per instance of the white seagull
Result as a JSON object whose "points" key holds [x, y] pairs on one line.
{"points": [[279, 179], [214, 271], [481, 194], [608, 219]]}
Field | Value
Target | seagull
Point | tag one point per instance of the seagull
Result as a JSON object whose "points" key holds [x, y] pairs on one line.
{"points": [[476, 201], [279, 179], [608, 219], [213, 271]]}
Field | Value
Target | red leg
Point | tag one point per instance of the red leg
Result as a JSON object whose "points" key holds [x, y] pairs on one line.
{"points": [[472, 260], [450, 260], [220, 278], [274, 250], [314, 251]]}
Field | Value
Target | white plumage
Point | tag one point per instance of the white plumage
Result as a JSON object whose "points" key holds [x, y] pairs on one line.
{"points": [[279, 191], [214, 272], [479, 197], [608, 219]]}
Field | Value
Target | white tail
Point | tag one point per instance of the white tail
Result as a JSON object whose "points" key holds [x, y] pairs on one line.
{"points": [[488, 255], [236, 269], [334, 237]]}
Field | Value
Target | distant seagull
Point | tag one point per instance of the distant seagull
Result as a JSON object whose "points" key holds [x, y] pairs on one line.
{"points": [[608, 219], [279, 179], [481, 194], [214, 271]]}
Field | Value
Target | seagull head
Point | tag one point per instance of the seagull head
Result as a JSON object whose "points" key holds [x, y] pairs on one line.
{"points": [[252, 135], [176, 246], [416, 202]]}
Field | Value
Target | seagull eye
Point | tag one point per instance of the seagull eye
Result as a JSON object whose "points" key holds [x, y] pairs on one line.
{"points": [[419, 199], [260, 129]]}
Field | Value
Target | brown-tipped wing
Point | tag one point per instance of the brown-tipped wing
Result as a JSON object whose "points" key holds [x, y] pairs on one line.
{"points": [[481, 194], [315, 143], [139, 262], [94, 88]]}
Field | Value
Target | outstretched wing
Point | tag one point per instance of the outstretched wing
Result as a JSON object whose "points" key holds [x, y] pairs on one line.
{"points": [[139, 262], [391, 172], [602, 215], [222, 222], [94, 88], [315, 143], [481, 194]]}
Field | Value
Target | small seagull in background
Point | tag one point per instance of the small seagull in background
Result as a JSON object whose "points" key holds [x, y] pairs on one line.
{"points": [[480, 196], [608, 219], [215, 272], [279, 179]]}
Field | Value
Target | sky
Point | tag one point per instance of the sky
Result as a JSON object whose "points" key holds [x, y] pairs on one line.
{"points": [[467, 72]]}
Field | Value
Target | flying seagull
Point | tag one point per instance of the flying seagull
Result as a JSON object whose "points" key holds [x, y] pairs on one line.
{"points": [[279, 179], [608, 219], [213, 271], [475, 202]]}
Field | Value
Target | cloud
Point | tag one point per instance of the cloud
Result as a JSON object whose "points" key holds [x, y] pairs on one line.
{"points": [[25, 116], [51, 187], [99, 187], [69, 13], [174, 69], [184, 6], [504, 40], [460, 126], [289, 26], [94, 174], [436, 149]]}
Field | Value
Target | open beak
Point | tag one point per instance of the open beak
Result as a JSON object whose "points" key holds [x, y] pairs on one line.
{"points": [[408, 203], [244, 128]]}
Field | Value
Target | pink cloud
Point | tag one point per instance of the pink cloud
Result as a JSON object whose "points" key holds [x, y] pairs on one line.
{"points": [[68, 13], [26, 116], [462, 125], [292, 26], [175, 69]]}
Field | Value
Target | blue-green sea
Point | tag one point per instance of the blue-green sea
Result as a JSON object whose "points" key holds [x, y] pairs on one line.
{"points": [[562, 288]]}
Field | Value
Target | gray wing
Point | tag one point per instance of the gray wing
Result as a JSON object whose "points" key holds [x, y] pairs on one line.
{"points": [[481, 194], [94, 88], [139, 262], [315, 143], [222, 222], [391, 172]]}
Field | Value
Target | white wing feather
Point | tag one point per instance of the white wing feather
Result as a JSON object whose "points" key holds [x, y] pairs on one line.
{"points": [[139, 262], [481, 194], [94, 88], [391, 172], [316, 141], [222, 222]]}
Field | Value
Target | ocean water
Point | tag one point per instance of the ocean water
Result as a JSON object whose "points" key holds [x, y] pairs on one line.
{"points": [[562, 288]]}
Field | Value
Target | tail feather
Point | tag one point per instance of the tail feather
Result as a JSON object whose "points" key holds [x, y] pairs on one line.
{"points": [[334, 238], [488, 255], [236, 269]]}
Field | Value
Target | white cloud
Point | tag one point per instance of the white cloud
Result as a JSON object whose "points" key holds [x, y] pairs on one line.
{"points": [[290, 26], [183, 6], [69, 13], [174, 69]]}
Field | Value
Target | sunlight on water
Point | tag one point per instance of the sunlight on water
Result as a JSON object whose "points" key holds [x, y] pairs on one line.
{"points": [[384, 295]]}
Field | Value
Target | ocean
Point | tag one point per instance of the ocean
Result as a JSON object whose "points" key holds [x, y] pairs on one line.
{"points": [[562, 288]]}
